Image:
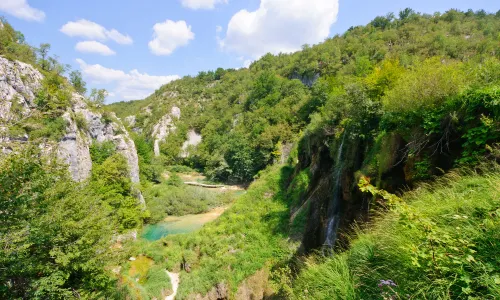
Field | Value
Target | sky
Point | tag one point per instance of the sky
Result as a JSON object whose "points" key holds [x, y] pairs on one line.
{"points": [[132, 47]]}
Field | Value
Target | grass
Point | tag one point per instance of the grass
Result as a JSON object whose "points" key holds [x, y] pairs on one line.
{"points": [[442, 244], [166, 199], [145, 279]]}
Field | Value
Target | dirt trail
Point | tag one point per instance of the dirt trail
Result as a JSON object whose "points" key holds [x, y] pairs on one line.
{"points": [[174, 279]]}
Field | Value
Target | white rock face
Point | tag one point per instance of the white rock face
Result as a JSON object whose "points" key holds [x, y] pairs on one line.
{"points": [[100, 131], [163, 128], [130, 120], [18, 82], [193, 139], [73, 149]]}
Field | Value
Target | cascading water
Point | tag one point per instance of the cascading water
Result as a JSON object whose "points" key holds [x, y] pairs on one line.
{"points": [[333, 212]]}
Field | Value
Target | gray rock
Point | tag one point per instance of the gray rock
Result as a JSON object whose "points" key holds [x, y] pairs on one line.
{"points": [[163, 128], [18, 82], [130, 120], [306, 80], [193, 140], [73, 149]]}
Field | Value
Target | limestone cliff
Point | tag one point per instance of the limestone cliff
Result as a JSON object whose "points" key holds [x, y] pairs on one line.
{"points": [[164, 127]]}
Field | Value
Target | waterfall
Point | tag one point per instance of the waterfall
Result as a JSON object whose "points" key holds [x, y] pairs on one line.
{"points": [[334, 205]]}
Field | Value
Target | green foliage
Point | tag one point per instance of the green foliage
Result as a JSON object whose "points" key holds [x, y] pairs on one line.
{"points": [[75, 78], [50, 128], [427, 85], [54, 233], [298, 187], [99, 152], [81, 121], [172, 198], [98, 96], [110, 180], [54, 96], [13, 46], [157, 282], [174, 180], [436, 244]]}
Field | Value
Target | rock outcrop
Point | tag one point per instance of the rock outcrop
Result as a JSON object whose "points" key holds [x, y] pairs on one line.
{"points": [[164, 127], [306, 80], [74, 147], [18, 85], [193, 139]]}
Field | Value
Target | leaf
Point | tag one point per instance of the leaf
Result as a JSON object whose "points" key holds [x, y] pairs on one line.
{"points": [[470, 258]]}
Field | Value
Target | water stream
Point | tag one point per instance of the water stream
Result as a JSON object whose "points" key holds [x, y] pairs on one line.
{"points": [[333, 212]]}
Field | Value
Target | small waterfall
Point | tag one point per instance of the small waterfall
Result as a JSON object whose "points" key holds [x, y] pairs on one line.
{"points": [[334, 205]]}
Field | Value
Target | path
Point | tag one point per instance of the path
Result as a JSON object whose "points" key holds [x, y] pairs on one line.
{"points": [[174, 279]]}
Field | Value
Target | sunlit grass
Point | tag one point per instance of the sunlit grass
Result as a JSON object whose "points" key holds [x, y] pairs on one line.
{"points": [[462, 205]]}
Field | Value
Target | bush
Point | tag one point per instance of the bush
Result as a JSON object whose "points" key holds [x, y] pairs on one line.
{"points": [[426, 85], [99, 152]]}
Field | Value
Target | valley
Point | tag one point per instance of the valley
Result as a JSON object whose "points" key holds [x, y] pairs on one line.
{"points": [[362, 167]]}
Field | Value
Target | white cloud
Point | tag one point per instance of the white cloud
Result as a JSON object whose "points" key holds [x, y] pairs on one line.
{"points": [[128, 86], [201, 4], [116, 36], [94, 47], [280, 26], [170, 35], [21, 9], [247, 63], [91, 30], [218, 29]]}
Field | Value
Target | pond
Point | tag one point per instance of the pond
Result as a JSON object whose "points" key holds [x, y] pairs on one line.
{"points": [[183, 224]]}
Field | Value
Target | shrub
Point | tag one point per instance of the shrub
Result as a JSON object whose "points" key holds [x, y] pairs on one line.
{"points": [[99, 152], [426, 85]]}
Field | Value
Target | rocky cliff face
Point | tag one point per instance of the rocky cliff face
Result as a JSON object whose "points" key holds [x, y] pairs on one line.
{"points": [[193, 140], [19, 83], [74, 147], [164, 127]]}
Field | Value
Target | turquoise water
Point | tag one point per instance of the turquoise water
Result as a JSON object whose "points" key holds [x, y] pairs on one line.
{"points": [[176, 225], [157, 231]]}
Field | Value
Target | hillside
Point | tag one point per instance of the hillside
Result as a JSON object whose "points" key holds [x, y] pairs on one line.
{"points": [[370, 163]]}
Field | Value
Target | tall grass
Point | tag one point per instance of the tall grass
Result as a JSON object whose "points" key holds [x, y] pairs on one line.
{"points": [[171, 200], [447, 248]]}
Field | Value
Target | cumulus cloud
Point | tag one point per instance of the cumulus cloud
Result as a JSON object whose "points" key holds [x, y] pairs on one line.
{"points": [[201, 4], [132, 85], [170, 35], [94, 47], [279, 26], [22, 10], [91, 30]]}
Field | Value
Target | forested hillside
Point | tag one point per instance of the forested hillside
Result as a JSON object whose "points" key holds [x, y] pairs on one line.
{"points": [[396, 67], [370, 163], [396, 102]]}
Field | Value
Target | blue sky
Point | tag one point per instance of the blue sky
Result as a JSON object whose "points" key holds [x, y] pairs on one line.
{"points": [[155, 41]]}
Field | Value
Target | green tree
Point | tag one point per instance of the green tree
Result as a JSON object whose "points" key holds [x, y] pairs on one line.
{"points": [[98, 96], [43, 52], [54, 233], [75, 77]]}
